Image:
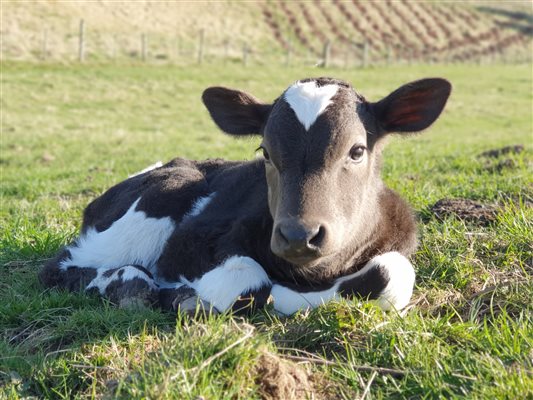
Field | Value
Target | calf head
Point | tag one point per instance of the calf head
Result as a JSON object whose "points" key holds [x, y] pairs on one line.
{"points": [[321, 146]]}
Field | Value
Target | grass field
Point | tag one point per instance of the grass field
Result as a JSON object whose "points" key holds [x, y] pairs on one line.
{"points": [[70, 132]]}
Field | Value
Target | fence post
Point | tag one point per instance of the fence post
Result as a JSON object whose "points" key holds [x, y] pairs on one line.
{"points": [[347, 54], [389, 55], [226, 50], [366, 51], [288, 58], [201, 46], [178, 47], [81, 42], [245, 55], [326, 54], [144, 47], [44, 45], [114, 48]]}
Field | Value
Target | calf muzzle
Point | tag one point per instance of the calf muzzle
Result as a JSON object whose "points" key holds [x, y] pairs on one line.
{"points": [[297, 242]]}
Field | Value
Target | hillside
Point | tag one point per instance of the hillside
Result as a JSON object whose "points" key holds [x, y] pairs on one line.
{"points": [[384, 30]]}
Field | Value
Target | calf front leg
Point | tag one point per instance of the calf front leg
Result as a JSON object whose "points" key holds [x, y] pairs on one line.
{"points": [[388, 279], [239, 284]]}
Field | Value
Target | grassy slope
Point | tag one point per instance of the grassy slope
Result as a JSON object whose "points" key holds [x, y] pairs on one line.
{"points": [[70, 132], [113, 28]]}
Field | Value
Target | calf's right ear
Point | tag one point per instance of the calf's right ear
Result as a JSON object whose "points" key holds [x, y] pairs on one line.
{"points": [[236, 112]]}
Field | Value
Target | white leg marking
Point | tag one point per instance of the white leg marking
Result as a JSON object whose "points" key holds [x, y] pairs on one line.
{"points": [[148, 168], [401, 280], [225, 283], [396, 294], [308, 100], [288, 301], [101, 282], [198, 206], [132, 239]]}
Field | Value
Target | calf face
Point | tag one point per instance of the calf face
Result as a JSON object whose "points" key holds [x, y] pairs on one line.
{"points": [[321, 146]]}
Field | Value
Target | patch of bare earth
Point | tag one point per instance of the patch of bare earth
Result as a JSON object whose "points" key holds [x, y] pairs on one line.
{"points": [[494, 153], [281, 379], [505, 163], [466, 210]]}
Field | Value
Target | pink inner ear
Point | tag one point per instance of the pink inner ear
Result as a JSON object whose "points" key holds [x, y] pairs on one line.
{"points": [[410, 108]]}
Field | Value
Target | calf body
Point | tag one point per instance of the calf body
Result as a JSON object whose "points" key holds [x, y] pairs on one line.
{"points": [[310, 222]]}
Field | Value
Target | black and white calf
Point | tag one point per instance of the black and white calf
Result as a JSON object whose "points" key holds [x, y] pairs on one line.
{"points": [[309, 222]]}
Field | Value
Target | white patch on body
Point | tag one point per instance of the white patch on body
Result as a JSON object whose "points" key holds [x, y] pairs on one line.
{"points": [[132, 239], [396, 294], [148, 168], [399, 290], [198, 206], [101, 282], [308, 100], [225, 283]]}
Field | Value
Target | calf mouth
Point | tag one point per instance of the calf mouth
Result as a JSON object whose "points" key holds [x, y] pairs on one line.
{"points": [[301, 259]]}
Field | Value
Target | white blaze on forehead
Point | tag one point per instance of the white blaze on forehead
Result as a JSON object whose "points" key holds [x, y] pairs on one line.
{"points": [[308, 100]]}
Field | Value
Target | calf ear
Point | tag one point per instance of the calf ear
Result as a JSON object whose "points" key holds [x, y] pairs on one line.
{"points": [[235, 112], [414, 106]]}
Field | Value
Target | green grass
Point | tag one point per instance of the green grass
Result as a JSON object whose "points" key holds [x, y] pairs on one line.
{"points": [[70, 132]]}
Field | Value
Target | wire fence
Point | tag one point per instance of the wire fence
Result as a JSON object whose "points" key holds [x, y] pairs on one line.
{"points": [[88, 46]]}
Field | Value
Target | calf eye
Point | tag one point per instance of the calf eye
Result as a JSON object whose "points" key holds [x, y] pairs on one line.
{"points": [[265, 154], [357, 152]]}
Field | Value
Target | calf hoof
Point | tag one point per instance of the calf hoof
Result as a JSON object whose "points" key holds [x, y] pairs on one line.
{"points": [[135, 303], [130, 286], [134, 295], [188, 303]]}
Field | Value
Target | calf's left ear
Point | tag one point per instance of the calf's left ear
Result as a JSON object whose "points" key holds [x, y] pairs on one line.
{"points": [[412, 107], [235, 112]]}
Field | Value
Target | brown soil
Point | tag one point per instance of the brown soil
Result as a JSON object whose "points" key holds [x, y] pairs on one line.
{"points": [[494, 153], [465, 209], [504, 164], [280, 379]]}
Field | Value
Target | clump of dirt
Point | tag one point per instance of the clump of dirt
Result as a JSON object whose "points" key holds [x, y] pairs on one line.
{"points": [[494, 153], [465, 209], [280, 379], [506, 163], [503, 164]]}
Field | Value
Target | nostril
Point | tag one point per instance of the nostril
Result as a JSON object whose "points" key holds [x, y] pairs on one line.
{"points": [[281, 235], [316, 239], [297, 239]]}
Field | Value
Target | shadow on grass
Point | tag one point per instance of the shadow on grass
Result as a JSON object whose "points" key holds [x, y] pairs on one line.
{"points": [[517, 20]]}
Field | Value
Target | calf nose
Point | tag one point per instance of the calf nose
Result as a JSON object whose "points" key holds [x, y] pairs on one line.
{"points": [[300, 239]]}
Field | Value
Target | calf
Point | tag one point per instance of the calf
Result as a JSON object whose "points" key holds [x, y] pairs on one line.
{"points": [[308, 222]]}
